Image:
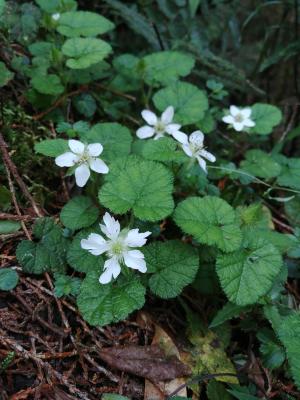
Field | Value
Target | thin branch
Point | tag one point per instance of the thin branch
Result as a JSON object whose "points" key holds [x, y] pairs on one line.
{"points": [[10, 166]]}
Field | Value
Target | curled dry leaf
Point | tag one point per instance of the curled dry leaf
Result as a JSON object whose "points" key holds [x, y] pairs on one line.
{"points": [[149, 362], [160, 390]]}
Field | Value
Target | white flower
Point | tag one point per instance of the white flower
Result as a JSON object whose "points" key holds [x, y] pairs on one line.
{"points": [[239, 118], [84, 157], [117, 248], [56, 16], [157, 127], [193, 147]]}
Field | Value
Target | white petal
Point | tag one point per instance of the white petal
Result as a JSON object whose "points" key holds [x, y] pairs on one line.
{"points": [[76, 146], [180, 136], [158, 136], [246, 112], [167, 115], [238, 126], [135, 259], [197, 138], [66, 160], [149, 117], [82, 174], [171, 128], [207, 155], [202, 163], [145, 132], [56, 16], [95, 149], [111, 228], [135, 238], [95, 244], [228, 119], [186, 148], [112, 269], [249, 123], [234, 111], [97, 165]]}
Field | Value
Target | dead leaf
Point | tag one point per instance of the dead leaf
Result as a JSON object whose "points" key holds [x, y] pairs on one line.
{"points": [[160, 390], [149, 362]]}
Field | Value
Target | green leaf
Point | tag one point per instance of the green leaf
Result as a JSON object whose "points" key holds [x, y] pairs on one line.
{"points": [[143, 186], [173, 264], [79, 212], [8, 279], [255, 216], [249, 273], [136, 21], [5, 198], [207, 123], [189, 102], [65, 285], [272, 353], [230, 310], [81, 260], [83, 23], [52, 147], [292, 210], [49, 253], [211, 221], [163, 149], [290, 172], [193, 6], [41, 49], [54, 6], [111, 396], [7, 227], [2, 5], [85, 104], [261, 164], [242, 393], [166, 67], [47, 84], [33, 257], [265, 117], [5, 74], [115, 139], [84, 52], [216, 391], [289, 333], [103, 304]]}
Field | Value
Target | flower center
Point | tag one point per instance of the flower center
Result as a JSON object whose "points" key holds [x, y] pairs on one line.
{"points": [[195, 148], [84, 158], [117, 249], [239, 118], [160, 127]]}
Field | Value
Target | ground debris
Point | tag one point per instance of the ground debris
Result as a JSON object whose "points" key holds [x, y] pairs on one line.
{"points": [[149, 362]]}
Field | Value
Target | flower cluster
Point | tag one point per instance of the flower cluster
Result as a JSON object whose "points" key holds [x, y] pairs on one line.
{"points": [[118, 245]]}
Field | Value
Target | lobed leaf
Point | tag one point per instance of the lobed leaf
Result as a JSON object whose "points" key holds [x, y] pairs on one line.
{"points": [[189, 102], [211, 221], [115, 139], [249, 273], [165, 67], [173, 264], [79, 212], [83, 23], [103, 304], [51, 147], [84, 52], [142, 186], [266, 117]]}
